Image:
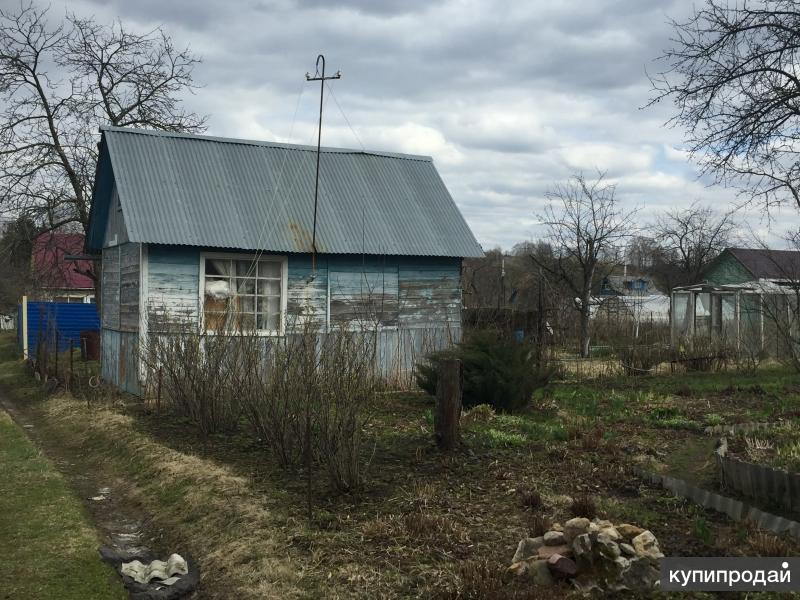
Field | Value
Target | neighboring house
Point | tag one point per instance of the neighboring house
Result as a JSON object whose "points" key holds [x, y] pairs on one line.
{"points": [[627, 285], [191, 227], [631, 297], [743, 265], [651, 308], [58, 279], [745, 296]]}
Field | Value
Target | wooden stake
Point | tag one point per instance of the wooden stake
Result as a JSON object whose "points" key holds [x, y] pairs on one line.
{"points": [[158, 392], [446, 420]]}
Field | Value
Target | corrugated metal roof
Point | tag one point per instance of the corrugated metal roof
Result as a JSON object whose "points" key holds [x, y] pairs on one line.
{"points": [[228, 193]]}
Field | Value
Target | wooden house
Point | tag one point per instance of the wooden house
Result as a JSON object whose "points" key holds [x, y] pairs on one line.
{"points": [[189, 227]]}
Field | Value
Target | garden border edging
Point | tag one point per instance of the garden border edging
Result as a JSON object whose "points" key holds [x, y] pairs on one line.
{"points": [[760, 482], [735, 509]]}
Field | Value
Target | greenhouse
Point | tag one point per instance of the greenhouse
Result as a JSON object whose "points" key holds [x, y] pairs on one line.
{"points": [[753, 316]]}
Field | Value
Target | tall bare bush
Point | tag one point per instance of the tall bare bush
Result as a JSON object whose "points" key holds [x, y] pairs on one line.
{"points": [[305, 395]]}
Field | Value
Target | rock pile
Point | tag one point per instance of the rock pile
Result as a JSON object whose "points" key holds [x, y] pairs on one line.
{"points": [[594, 555]]}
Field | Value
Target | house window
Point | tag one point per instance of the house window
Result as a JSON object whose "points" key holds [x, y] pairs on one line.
{"points": [[243, 293]]}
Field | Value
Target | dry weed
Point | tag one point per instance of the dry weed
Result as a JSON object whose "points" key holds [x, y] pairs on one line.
{"points": [[583, 506]]}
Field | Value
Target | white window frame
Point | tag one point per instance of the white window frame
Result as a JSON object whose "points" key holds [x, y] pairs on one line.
{"points": [[284, 262]]}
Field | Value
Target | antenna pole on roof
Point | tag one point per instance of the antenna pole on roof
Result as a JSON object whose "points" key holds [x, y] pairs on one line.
{"points": [[319, 75]]}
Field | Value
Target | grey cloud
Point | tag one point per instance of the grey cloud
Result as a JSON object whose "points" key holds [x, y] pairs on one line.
{"points": [[507, 97]]}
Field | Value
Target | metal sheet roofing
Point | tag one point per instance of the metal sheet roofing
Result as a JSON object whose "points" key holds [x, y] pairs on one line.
{"points": [[228, 193]]}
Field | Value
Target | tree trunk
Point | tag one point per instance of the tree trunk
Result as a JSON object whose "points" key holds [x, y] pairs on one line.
{"points": [[585, 314]]}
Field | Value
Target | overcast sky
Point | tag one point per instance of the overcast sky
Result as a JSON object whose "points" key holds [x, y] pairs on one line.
{"points": [[508, 98]]}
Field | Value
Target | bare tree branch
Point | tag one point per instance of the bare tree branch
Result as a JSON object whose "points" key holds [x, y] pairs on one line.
{"points": [[733, 78], [586, 227], [58, 84]]}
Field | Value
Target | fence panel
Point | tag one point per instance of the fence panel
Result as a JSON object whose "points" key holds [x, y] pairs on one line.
{"points": [[47, 318]]}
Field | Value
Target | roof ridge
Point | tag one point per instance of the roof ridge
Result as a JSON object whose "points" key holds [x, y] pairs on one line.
{"points": [[263, 143]]}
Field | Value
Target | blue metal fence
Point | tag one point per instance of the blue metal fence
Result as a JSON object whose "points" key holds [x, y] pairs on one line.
{"points": [[47, 318]]}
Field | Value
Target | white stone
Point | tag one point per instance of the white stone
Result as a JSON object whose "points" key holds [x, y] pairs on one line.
{"points": [[575, 527], [527, 547], [554, 538]]}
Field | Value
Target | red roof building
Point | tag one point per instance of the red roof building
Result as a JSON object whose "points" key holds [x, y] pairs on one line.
{"points": [[58, 278]]}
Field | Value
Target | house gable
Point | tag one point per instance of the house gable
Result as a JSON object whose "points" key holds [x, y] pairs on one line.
{"points": [[726, 269]]}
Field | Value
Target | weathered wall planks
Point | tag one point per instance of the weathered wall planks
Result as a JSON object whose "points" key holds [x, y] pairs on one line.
{"points": [[390, 291], [109, 287], [173, 280], [119, 359], [412, 304], [120, 287], [116, 232]]}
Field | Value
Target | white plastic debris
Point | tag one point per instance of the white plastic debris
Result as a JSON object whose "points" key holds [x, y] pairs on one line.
{"points": [[158, 569]]}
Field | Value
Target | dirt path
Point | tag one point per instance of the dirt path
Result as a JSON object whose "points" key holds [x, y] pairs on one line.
{"points": [[120, 522]]}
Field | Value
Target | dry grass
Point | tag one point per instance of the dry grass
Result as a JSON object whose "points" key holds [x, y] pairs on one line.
{"points": [[237, 531], [530, 499], [583, 506], [768, 544], [538, 525]]}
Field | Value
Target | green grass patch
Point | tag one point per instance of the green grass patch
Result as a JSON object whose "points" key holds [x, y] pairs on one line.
{"points": [[47, 548]]}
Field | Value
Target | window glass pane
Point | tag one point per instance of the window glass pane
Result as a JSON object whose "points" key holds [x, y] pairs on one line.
{"points": [[246, 322], [215, 266], [269, 322], [269, 305], [269, 287], [247, 304], [214, 320], [243, 294], [218, 288], [269, 268], [246, 286], [246, 268]]}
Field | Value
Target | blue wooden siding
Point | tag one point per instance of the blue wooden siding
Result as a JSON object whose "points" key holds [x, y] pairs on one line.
{"points": [[173, 280], [307, 295], [416, 302], [402, 291], [119, 359], [109, 288], [45, 318], [430, 292]]}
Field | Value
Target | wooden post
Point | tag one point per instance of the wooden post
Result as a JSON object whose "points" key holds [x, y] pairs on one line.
{"points": [[71, 348], [25, 327], [448, 404], [58, 340], [158, 393]]}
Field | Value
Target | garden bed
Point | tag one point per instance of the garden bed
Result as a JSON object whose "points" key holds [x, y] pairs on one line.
{"points": [[756, 467], [776, 446]]}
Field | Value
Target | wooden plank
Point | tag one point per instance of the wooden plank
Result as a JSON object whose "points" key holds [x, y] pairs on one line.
{"points": [[173, 280], [110, 288]]}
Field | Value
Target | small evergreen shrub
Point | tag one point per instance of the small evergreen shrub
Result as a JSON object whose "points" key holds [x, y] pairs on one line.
{"points": [[498, 370]]}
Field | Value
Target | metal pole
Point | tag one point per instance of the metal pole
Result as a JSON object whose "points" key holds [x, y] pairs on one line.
{"points": [[318, 76], [25, 327]]}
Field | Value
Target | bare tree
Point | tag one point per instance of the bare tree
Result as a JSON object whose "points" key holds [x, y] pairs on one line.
{"points": [[689, 239], [58, 83], [585, 226], [734, 79]]}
